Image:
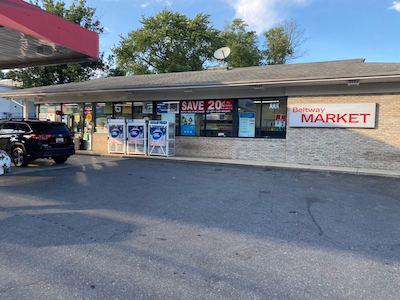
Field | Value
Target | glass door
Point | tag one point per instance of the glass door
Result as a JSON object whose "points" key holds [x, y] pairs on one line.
{"points": [[88, 127]]}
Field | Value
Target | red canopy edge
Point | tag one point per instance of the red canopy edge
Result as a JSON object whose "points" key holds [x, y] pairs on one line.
{"points": [[31, 20]]}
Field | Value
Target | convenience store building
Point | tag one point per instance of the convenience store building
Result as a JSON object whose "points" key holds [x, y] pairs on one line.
{"points": [[340, 113]]}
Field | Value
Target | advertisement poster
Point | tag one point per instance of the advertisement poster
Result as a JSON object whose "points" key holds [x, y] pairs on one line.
{"points": [[188, 125], [135, 134], [199, 106], [247, 124], [340, 115], [158, 136], [116, 131], [168, 108]]}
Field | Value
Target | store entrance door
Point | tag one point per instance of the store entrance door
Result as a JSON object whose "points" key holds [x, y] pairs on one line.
{"points": [[87, 127], [79, 119]]}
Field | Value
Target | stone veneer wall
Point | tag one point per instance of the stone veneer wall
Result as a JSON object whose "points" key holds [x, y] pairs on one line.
{"points": [[366, 148]]}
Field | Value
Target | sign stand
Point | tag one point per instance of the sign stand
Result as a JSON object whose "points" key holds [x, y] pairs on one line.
{"points": [[161, 138], [136, 137], [116, 136]]}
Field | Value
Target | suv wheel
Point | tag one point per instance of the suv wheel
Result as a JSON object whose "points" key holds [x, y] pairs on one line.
{"points": [[60, 159], [18, 157]]}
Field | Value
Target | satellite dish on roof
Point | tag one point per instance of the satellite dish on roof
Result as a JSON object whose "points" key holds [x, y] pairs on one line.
{"points": [[222, 53]]}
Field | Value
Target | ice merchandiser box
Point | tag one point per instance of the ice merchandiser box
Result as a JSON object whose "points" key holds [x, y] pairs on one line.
{"points": [[116, 135], [161, 138], [136, 137]]}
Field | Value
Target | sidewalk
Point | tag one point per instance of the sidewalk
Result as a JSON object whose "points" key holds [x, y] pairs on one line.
{"points": [[277, 165]]}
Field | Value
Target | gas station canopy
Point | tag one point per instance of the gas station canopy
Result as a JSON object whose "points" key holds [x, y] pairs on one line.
{"points": [[30, 36]]}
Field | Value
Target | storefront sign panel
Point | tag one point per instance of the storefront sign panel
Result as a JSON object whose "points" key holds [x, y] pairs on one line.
{"points": [[349, 115], [199, 106]]}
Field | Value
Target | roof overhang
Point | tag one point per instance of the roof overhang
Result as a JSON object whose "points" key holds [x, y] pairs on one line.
{"points": [[31, 36], [29, 94]]}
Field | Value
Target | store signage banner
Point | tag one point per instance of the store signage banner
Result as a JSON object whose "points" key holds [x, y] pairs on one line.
{"points": [[196, 106], [354, 115], [247, 124], [188, 125]]}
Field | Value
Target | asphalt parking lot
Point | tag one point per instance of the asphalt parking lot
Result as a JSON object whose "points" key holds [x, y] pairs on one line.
{"points": [[108, 228]]}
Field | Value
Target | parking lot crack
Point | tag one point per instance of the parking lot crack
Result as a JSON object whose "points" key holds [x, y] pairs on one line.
{"points": [[310, 202]]}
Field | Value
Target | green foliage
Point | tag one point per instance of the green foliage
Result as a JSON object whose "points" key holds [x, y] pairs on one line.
{"points": [[168, 42], [79, 13], [282, 43], [243, 44]]}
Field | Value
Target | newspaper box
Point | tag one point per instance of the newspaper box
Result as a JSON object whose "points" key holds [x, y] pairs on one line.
{"points": [[116, 135], [161, 138], [136, 139]]}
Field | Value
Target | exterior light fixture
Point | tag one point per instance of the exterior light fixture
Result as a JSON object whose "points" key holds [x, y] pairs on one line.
{"points": [[355, 82]]}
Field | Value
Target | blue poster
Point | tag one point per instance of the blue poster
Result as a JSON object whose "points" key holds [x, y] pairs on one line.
{"points": [[135, 132], [116, 131], [247, 124], [158, 136], [188, 125]]}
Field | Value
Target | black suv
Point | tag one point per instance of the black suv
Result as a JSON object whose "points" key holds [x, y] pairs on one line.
{"points": [[27, 140]]}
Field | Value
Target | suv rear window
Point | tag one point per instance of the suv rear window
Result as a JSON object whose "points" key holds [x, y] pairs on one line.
{"points": [[48, 128]]}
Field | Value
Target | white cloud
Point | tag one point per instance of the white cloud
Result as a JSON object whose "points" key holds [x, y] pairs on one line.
{"points": [[261, 15], [159, 2], [395, 6]]}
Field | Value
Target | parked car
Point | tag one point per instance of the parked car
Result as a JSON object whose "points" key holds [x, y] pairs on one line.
{"points": [[27, 140]]}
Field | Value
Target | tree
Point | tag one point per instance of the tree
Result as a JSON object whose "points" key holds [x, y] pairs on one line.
{"points": [[243, 44], [283, 43], [79, 13], [2, 75], [168, 42]]}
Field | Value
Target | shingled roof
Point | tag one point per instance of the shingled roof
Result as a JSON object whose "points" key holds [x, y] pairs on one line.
{"points": [[268, 75]]}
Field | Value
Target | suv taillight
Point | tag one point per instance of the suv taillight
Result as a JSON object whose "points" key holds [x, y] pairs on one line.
{"points": [[41, 137]]}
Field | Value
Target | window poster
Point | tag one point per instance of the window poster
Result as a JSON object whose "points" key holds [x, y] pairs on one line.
{"points": [[188, 125], [247, 124]]}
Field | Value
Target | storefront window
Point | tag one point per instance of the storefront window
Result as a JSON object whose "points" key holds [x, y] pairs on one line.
{"points": [[123, 110], [207, 118], [72, 116], [103, 112], [50, 112], [273, 118], [219, 124], [192, 124], [142, 110], [169, 111]]}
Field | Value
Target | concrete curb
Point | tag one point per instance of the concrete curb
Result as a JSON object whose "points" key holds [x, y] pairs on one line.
{"points": [[340, 170]]}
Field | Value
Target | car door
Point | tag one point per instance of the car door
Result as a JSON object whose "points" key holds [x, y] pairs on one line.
{"points": [[7, 130]]}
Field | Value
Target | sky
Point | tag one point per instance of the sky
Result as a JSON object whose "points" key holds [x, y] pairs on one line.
{"points": [[334, 29]]}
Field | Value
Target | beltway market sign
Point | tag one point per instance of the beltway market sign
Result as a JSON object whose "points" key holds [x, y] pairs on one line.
{"points": [[206, 105], [354, 115]]}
